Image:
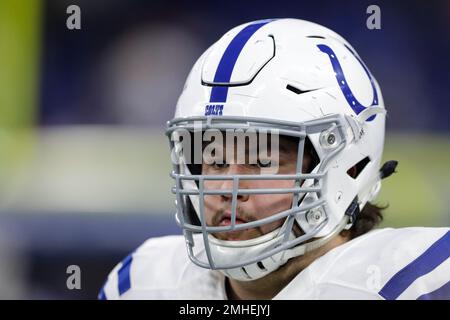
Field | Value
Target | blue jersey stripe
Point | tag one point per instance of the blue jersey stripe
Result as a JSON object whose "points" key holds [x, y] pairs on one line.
{"points": [[443, 293], [229, 58], [102, 295], [124, 275], [425, 263]]}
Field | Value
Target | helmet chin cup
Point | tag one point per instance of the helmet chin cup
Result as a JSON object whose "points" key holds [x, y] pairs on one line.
{"points": [[242, 250]]}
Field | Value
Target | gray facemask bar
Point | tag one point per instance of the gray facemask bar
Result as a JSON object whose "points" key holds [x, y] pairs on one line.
{"points": [[295, 129]]}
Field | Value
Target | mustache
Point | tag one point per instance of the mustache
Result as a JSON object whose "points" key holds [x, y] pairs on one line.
{"points": [[225, 213]]}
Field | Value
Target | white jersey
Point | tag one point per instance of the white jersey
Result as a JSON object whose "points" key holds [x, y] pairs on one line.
{"points": [[408, 263]]}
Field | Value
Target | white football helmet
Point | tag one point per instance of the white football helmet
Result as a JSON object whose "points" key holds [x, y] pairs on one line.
{"points": [[303, 80]]}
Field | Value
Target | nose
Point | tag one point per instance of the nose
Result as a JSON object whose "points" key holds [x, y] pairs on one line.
{"points": [[234, 169]]}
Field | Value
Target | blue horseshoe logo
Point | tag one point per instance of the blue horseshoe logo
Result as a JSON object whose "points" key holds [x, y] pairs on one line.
{"points": [[348, 94]]}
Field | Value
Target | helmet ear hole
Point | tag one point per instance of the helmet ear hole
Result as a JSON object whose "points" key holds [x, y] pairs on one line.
{"points": [[355, 171]]}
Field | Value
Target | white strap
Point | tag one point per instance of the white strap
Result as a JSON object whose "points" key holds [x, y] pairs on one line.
{"points": [[309, 246]]}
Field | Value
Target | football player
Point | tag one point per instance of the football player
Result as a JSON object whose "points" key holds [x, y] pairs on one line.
{"points": [[297, 222]]}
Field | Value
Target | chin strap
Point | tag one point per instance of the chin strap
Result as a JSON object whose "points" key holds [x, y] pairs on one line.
{"points": [[386, 170], [352, 212], [347, 221], [254, 271], [310, 246]]}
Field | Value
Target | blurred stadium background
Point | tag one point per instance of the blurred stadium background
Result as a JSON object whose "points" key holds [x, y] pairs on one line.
{"points": [[84, 161]]}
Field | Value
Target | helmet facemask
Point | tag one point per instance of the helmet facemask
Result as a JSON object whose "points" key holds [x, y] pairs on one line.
{"points": [[296, 226]]}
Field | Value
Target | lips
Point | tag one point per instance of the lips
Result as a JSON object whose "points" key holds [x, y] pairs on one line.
{"points": [[235, 235], [226, 220]]}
